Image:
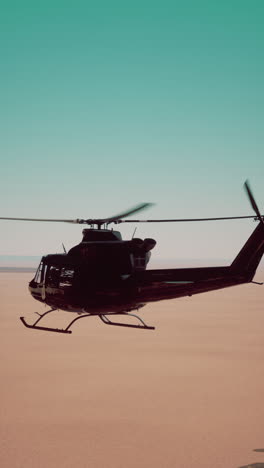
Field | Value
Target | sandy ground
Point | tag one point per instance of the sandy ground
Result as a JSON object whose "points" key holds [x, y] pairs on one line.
{"points": [[188, 395]]}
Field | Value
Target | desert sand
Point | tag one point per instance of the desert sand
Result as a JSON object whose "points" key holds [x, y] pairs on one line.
{"points": [[187, 395]]}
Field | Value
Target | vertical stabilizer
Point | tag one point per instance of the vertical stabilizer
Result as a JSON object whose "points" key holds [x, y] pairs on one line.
{"points": [[251, 253]]}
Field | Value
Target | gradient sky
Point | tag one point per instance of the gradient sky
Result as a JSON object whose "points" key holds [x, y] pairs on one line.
{"points": [[108, 104]]}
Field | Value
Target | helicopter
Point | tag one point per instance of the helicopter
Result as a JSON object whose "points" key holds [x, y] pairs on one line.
{"points": [[106, 276]]}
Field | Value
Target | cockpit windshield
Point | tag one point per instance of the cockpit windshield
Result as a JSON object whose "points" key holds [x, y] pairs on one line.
{"points": [[39, 273]]}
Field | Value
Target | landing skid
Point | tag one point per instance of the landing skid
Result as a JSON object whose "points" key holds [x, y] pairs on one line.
{"points": [[103, 317], [144, 326]]}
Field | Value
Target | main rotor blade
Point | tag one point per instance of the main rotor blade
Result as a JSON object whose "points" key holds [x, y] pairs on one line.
{"points": [[183, 220], [252, 200], [112, 219], [125, 214], [117, 220], [74, 221]]}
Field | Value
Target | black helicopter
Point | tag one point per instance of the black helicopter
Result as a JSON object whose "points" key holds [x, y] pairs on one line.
{"points": [[104, 275]]}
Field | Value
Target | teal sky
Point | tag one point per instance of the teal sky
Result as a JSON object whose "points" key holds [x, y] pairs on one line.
{"points": [[108, 104]]}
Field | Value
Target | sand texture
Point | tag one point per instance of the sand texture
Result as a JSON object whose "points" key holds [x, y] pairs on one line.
{"points": [[188, 395]]}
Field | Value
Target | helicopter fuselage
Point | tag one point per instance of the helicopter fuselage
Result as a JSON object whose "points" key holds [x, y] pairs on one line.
{"points": [[96, 275]]}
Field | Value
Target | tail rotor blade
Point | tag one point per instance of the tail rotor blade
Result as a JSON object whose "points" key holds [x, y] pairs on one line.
{"points": [[252, 201]]}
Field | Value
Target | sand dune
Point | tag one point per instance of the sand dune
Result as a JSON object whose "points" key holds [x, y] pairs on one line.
{"points": [[187, 395]]}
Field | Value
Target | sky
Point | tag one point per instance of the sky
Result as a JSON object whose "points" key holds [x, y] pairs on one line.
{"points": [[108, 104]]}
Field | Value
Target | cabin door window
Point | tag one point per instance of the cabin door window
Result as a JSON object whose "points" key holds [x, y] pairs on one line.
{"points": [[66, 277]]}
